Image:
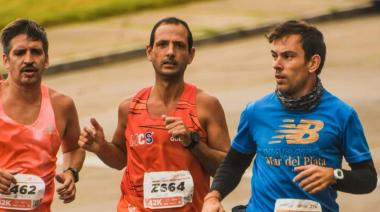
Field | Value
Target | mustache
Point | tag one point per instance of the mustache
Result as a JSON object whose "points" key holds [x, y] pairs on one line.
{"points": [[169, 61], [28, 67]]}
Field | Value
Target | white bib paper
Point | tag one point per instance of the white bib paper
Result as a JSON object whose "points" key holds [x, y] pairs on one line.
{"points": [[26, 194], [297, 205], [170, 189]]}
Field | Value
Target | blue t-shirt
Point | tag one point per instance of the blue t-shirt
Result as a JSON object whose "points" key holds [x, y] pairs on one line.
{"points": [[283, 140]]}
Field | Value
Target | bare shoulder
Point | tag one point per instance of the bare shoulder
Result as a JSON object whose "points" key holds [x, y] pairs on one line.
{"points": [[207, 101], [65, 113], [209, 109], [61, 101], [124, 105], [123, 111]]}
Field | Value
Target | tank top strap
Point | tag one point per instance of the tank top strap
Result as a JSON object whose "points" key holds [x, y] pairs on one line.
{"points": [[44, 91], [188, 97], [139, 101], [189, 93], [45, 98], [47, 113]]}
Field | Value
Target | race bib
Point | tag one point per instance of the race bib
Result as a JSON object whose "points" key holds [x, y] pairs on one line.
{"points": [[26, 194], [297, 205], [169, 189]]}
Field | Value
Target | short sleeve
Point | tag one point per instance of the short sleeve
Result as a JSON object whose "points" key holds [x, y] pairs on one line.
{"points": [[355, 144], [243, 141]]}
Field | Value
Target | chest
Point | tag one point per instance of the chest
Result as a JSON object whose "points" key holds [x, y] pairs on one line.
{"points": [[21, 112], [157, 108], [145, 132], [307, 132]]}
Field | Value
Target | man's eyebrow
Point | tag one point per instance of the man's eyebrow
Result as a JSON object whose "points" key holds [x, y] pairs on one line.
{"points": [[289, 52], [284, 52]]}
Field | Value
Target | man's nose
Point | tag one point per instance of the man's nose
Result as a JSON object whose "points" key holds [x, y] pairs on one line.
{"points": [[28, 59], [277, 63], [170, 51]]}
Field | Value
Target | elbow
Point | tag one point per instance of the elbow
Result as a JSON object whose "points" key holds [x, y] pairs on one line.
{"points": [[120, 165], [370, 185], [373, 185], [117, 164]]}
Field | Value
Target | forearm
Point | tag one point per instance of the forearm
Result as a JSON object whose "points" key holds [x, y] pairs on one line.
{"points": [[361, 179], [112, 155], [74, 158], [230, 171], [209, 158]]}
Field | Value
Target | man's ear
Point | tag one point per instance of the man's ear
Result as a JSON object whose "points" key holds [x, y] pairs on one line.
{"points": [[314, 63], [148, 51], [5, 61], [46, 65], [192, 54]]}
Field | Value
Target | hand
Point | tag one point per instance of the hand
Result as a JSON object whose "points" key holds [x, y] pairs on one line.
{"points": [[67, 190], [91, 138], [177, 129], [6, 179], [313, 178], [212, 203]]}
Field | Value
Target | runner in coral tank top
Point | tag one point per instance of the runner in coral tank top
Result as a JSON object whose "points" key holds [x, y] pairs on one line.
{"points": [[151, 149], [34, 122], [171, 137], [37, 156]]}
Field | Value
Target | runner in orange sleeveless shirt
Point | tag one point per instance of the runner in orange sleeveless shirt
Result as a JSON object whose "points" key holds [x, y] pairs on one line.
{"points": [[34, 122], [171, 137]]}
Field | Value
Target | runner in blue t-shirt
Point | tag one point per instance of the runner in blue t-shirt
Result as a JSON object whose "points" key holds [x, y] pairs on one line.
{"points": [[299, 134]]}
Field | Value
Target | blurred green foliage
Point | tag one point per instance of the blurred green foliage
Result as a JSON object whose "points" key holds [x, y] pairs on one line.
{"points": [[54, 12]]}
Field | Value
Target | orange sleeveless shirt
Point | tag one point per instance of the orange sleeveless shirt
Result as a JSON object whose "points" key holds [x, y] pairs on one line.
{"points": [[32, 149], [150, 148]]}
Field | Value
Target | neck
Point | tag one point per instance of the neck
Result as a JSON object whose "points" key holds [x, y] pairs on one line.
{"points": [[307, 102], [167, 92], [29, 93], [308, 88]]}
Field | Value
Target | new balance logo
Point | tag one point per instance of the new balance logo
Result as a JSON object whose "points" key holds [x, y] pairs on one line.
{"points": [[305, 132]]}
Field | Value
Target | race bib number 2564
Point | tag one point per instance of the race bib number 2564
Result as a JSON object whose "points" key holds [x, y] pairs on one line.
{"points": [[169, 189]]}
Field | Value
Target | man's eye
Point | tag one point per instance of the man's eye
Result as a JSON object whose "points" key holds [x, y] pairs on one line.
{"points": [[161, 44], [19, 52], [36, 51], [180, 45]]}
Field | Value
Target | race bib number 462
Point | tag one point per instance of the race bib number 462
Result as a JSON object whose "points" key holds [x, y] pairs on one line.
{"points": [[168, 189], [26, 194]]}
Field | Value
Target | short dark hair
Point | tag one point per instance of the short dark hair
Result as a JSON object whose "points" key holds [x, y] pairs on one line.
{"points": [[23, 26], [311, 38], [172, 20]]}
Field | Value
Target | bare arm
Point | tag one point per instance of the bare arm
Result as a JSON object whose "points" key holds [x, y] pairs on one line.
{"points": [[73, 156], [212, 118], [111, 153]]}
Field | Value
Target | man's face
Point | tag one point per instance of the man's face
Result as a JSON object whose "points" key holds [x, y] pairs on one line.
{"points": [[292, 74], [170, 53], [26, 60]]}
